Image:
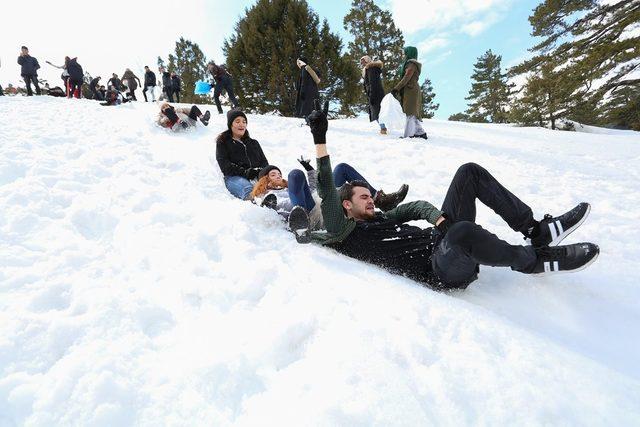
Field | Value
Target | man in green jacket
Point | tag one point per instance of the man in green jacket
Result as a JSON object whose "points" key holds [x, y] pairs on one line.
{"points": [[445, 256]]}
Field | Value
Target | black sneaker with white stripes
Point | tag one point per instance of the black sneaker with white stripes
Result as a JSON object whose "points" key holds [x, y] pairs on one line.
{"points": [[553, 230], [566, 258], [299, 224]]}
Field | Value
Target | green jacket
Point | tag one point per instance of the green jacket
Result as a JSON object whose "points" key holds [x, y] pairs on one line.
{"points": [[338, 227]]}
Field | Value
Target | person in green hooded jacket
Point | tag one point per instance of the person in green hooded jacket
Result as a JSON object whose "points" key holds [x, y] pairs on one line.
{"points": [[408, 89]]}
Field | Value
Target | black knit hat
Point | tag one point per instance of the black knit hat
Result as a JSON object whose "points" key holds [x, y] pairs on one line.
{"points": [[232, 115], [265, 170]]}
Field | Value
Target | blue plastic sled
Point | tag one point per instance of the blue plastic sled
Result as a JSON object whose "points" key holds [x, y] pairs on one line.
{"points": [[202, 88]]}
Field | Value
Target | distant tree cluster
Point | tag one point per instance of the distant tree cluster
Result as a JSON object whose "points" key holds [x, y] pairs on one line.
{"points": [[585, 69]]}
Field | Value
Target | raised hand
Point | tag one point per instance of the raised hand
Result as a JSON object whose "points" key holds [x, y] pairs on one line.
{"points": [[306, 164], [318, 122]]}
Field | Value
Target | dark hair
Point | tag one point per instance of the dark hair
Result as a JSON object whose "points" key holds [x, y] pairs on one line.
{"points": [[346, 191], [227, 136]]}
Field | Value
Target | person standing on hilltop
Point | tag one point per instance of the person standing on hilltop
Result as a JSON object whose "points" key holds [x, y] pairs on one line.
{"points": [[408, 90], [29, 70], [307, 88]]}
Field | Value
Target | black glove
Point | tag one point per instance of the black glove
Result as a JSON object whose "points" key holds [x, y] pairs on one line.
{"points": [[251, 173], [184, 125], [318, 122], [305, 164], [443, 227], [395, 93]]}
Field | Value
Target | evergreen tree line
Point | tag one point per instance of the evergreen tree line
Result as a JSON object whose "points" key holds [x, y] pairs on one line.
{"points": [[585, 69], [262, 51]]}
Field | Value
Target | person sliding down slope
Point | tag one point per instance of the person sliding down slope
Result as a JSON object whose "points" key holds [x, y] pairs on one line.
{"points": [[181, 118], [445, 256]]}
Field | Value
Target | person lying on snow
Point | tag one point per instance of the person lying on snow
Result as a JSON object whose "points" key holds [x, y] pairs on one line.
{"points": [[181, 117], [445, 256], [283, 195], [113, 97]]}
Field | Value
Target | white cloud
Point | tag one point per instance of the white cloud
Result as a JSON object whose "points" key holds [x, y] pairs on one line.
{"points": [[432, 43], [472, 16]]}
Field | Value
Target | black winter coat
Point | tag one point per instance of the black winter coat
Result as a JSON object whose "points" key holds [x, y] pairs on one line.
{"points": [[94, 83], [115, 82], [374, 90], [175, 83], [29, 66], [149, 78], [75, 70], [307, 93], [166, 79], [236, 157]]}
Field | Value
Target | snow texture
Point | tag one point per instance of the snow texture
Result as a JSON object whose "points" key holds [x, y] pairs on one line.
{"points": [[134, 290]]}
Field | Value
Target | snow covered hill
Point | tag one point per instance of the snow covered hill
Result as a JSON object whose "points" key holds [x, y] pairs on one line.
{"points": [[134, 290]]}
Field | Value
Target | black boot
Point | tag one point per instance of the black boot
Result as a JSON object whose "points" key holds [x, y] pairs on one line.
{"points": [[205, 118], [386, 202], [299, 224]]}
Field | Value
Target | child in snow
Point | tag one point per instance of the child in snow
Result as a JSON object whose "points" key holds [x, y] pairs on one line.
{"points": [[181, 117]]}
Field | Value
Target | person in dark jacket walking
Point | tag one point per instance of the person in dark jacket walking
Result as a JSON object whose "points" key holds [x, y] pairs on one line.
{"points": [[307, 88], [93, 87], [222, 81], [446, 256], [132, 82], [371, 74], [149, 84], [115, 82], [76, 76], [29, 70], [239, 156], [176, 86], [167, 88]]}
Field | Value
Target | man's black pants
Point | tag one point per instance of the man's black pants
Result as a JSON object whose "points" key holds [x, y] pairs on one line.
{"points": [[194, 113], [168, 92], [466, 244], [28, 80], [226, 84]]}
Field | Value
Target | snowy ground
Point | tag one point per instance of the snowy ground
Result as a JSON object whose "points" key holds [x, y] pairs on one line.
{"points": [[135, 290]]}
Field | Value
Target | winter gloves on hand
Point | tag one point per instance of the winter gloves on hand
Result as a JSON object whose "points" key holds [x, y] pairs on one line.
{"points": [[318, 122], [252, 173], [306, 164]]}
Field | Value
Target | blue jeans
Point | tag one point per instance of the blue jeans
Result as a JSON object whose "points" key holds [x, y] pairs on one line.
{"points": [[299, 191], [345, 173], [239, 186]]}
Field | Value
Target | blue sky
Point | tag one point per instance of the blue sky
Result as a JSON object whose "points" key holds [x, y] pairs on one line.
{"points": [[450, 35]]}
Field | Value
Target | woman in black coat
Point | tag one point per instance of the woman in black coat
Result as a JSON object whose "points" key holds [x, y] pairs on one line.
{"points": [[307, 89], [371, 73], [239, 156]]}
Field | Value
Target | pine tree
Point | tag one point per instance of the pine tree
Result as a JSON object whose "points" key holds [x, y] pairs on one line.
{"points": [[489, 94], [375, 34], [160, 62], [261, 56], [191, 65], [458, 117], [428, 106], [592, 49]]}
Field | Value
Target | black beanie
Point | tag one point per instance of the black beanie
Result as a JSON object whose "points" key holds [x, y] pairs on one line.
{"points": [[232, 115], [265, 170]]}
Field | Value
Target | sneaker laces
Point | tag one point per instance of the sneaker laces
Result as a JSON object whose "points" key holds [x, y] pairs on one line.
{"points": [[552, 253]]}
